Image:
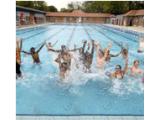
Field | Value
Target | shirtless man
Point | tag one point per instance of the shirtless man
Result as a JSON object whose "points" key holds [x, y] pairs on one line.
{"points": [[88, 58], [135, 70], [18, 58], [82, 51], [63, 59], [34, 53], [101, 57]]}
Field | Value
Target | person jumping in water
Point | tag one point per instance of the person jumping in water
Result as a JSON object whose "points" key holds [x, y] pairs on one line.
{"points": [[88, 58], [119, 72], [18, 58], [124, 53], [108, 54], [63, 59], [101, 57], [34, 53], [82, 51]]}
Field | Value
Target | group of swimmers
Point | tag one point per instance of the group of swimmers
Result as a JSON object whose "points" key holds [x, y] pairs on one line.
{"points": [[86, 53]]}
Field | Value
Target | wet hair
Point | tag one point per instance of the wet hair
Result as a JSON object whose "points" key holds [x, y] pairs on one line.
{"points": [[32, 49], [101, 51], [136, 61], [63, 46], [118, 66], [125, 51]]}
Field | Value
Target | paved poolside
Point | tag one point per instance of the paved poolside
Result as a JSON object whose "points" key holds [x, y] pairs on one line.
{"points": [[133, 28], [79, 118]]}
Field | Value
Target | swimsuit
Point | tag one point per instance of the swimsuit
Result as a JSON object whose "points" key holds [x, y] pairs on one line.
{"points": [[18, 70], [35, 57]]}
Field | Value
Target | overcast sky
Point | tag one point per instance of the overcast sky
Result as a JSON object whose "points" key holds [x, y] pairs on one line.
{"points": [[60, 3]]}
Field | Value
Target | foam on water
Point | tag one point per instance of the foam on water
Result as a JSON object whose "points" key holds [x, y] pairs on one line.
{"points": [[41, 91]]}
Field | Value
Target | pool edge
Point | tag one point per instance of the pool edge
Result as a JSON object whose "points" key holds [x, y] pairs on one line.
{"points": [[79, 117]]}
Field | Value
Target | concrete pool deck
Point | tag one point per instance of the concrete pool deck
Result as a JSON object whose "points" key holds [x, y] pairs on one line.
{"points": [[79, 117], [133, 28]]}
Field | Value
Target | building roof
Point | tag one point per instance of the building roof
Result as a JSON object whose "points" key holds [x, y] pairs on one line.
{"points": [[135, 13], [77, 13], [18, 8]]}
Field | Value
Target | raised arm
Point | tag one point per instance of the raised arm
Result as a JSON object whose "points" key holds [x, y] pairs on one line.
{"points": [[26, 52], [126, 66], [84, 45], [41, 47], [115, 55], [105, 53], [97, 48], [92, 51], [53, 50], [21, 44]]}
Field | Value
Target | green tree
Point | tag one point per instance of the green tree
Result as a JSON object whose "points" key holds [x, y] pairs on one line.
{"points": [[134, 5], [29, 4], [118, 7], [65, 10], [40, 5], [114, 7], [52, 8]]}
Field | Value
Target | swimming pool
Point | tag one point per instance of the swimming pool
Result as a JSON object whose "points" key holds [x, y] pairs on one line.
{"points": [[40, 91]]}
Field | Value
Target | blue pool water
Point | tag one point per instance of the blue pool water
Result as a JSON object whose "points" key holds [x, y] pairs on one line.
{"points": [[40, 92]]}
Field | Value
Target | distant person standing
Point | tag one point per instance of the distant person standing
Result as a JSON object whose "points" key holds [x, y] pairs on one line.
{"points": [[18, 57]]}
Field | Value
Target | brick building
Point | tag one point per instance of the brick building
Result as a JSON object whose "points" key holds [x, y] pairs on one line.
{"points": [[26, 16], [131, 18], [78, 16], [134, 18], [29, 16]]}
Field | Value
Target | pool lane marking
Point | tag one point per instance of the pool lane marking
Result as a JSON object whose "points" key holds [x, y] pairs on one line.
{"points": [[117, 32], [31, 29], [117, 43], [132, 54], [47, 29], [33, 35], [89, 36], [48, 38], [71, 36]]}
